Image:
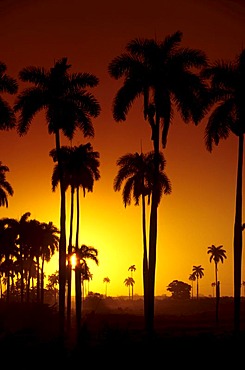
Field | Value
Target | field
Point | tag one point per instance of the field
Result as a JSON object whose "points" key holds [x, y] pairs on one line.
{"points": [[113, 334]]}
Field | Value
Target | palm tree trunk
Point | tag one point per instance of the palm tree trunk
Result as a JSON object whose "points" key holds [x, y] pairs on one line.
{"points": [[217, 292], [153, 231], [69, 267], [238, 239], [78, 274], [38, 279], [42, 280], [21, 275], [28, 280], [145, 261], [62, 242], [8, 279]]}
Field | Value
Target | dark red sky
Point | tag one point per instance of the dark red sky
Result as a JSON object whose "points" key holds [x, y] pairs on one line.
{"points": [[200, 210]]}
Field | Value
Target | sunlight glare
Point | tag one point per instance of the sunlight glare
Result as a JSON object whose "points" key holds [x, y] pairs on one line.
{"points": [[73, 260]]}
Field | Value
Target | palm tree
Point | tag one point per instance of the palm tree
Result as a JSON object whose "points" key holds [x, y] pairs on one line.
{"points": [[5, 187], [86, 276], [31, 236], [53, 281], [136, 172], [65, 156], [162, 73], [49, 244], [217, 254], [129, 282], [81, 169], [198, 273], [68, 106], [192, 278], [15, 236], [132, 269], [83, 254], [8, 249], [227, 116], [106, 280], [7, 85]]}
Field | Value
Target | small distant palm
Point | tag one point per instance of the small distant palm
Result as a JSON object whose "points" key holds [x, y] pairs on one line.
{"points": [[106, 280], [132, 269], [198, 273], [129, 282], [217, 254]]}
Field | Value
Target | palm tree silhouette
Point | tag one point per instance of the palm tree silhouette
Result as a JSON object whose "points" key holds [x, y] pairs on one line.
{"points": [[162, 73], [68, 106], [136, 171], [192, 278], [8, 249], [228, 116], [106, 280], [132, 268], [81, 169], [198, 274], [7, 85], [27, 243], [53, 281], [85, 276], [129, 282], [5, 187], [49, 244], [217, 254], [82, 255]]}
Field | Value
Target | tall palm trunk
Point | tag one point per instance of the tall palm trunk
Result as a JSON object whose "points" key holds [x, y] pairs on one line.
{"points": [[78, 273], [21, 275], [28, 279], [153, 230], [62, 242], [145, 261], [238, 238], [7, 259], [42, 279], [69, 266], [217, 292], [38, 279]]}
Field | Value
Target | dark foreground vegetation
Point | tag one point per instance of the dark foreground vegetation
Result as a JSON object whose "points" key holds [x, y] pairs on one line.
{"points": [[113, 334]]}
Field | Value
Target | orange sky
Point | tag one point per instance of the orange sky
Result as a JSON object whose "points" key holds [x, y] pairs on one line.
{"points": [[200, 210]]}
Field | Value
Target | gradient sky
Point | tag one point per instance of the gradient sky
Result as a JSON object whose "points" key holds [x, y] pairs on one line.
{"points": [[200, 210]]}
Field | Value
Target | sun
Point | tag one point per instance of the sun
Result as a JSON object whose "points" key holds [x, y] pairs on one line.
{"points": [[73, 260]]}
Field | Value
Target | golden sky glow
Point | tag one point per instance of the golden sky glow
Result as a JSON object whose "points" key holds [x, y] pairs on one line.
{"points": [[200, 210]]}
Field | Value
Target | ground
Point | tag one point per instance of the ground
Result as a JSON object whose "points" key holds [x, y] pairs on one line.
{"points": [[113, 333]]}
